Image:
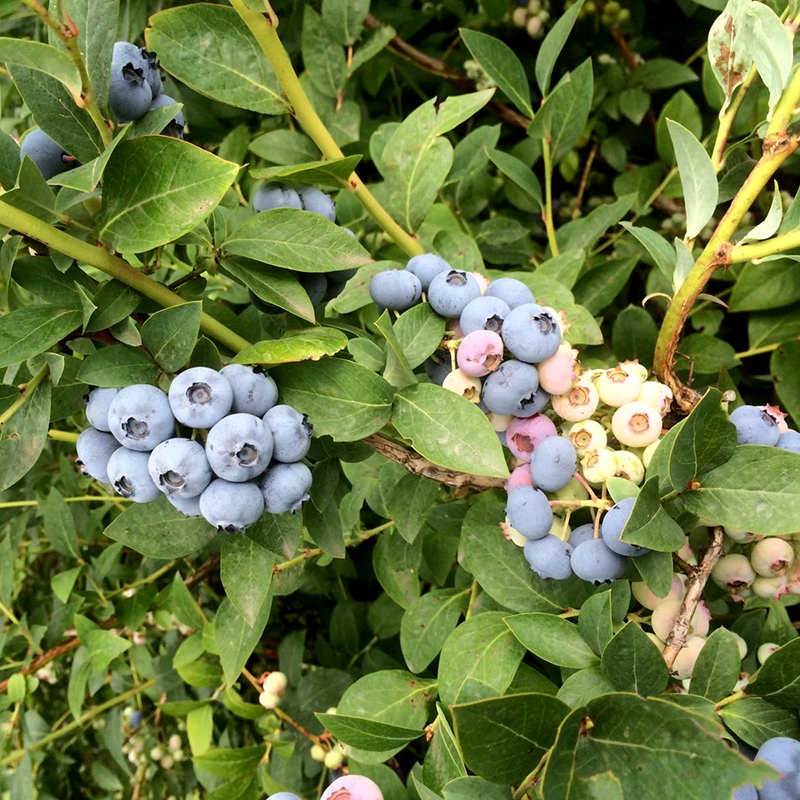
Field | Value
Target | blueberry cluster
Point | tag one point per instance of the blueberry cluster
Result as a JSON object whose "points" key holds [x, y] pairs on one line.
{"points": [[766, 426], [782, 753], [320, 288], [348, 787], [244, 455]]}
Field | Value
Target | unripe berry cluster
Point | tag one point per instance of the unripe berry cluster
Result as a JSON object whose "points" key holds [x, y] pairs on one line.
{"points": [[236, 454], [531, 15], [272, 690]]}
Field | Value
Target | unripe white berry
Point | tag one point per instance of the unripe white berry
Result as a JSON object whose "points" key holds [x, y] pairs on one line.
{"points": [[156, 753], [744, 679], [174, 742], [687, 554], [683, 665], [459, 382], [734, 573], [629, 466], [772, 587], [740, 537], [666, 613], [635, 368], [534, 6], [574, 490], [636, 424], [587, 435], [655, 640], [578, 403], [269, 700], [771, 557], [598, 465], [649, 451], [500, 422], [520, 17], [650, 600], [275, 682], [318, 752], [512, 534], [332, 710], [657, 395], [334, 759], [766, 650], [619, 385], [179, 755], [167, 762], [740, 643]]}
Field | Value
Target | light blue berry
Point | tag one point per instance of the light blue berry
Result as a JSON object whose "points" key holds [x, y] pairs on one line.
{"points": [[239, 447], [231, 507], [395, 289], [450, 292], [789, 441], [484, 313], [549, 557], [511, 389], [285, 487], [528, 510], [276, 195], [553, 463], [613, 525], [316, 200], [291, 433], [254, 391], [594, 562], [426, 267], [531, 333], [511, 291], [98, 401], [140, 417], [200, 397], [755, 426], [95, 448], [179, 467], [130, 477]]}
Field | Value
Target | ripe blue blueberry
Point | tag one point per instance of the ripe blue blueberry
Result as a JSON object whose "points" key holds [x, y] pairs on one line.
{"points": [[342, 275], [175, 127], [317, 201], [231, 507], [276, 195], [49, 156], [129, 91], [581, 534], [594, 562], [395, 289], [783, 754], [511, 389], [484, 313], [531, 333], [549, 557], [789, 441], [746, 792], [95, 448], [426, 267], [263, 305], [254, 391], [135, 718], [140, 418], [449, 292], [188, 506], [98, 402], [316, 286], [128, 474], [291, 433], [511, 291], [285, 487], [239, 447], [553, 463], [180, 467], [755, 426], [142, 59], [438, 368], [528, 510], [200, 397], [283, 796], [613, 524]]}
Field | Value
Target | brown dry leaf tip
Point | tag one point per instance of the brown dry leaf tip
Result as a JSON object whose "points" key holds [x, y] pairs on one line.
{"points": [[587, 723]]}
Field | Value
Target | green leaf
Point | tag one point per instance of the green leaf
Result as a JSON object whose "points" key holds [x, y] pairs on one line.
{"points": [[245, 569], [424, 415], [118, 365], [419, 332], [409, 503], [716, 670], [594, 623], [141, 527], [698, 178], [397, 371], [210, 49], [661, 73], [632, 662], [472, 788], [86, 177], [235, 639], [103, 647], [345, 18], [333, 174], [367, 734], [766, 286], [443, 761], [114, 301], [552, 46], [396, 564], [309, 344], [59, 524], [583, 686], [183, 186], [298, 240], [427, 623], [325, 528], [184, 606], [23, 437], [785, 368], [33, 329], [517, 171], [770, 45], [42, 58], [757, 490], [200, 729], [655, 569], [343, 400], [281, 533], [171, 334], [231, 763], [502, 66], [728, 55], [63, 583], [234, 703], [555, 640], [478, 660], [502, 736], [283, 146], [656, 245], [643, 743], [649, 525], [756, 720], [323, 55], [778, 680]]}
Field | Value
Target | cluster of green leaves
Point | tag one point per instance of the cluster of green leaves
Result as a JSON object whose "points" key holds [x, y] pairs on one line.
{"points": [[454, 670]]}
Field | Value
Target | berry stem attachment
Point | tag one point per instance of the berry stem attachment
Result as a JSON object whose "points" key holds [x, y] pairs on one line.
{"points": [[530, 781], [62, 436], [112, 265], [264, 29], [731, 698], [25, 394]]}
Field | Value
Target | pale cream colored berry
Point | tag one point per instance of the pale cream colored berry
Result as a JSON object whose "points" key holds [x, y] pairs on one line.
{"points": [[156, 753], [520, 17], [167, 762], [771, 556], [635, 368], [740, 537], [275, 682], [587, 435], [464, 385], [687, 554], [534, 27], [334, 758], [559, 529], [579, 403], [269, 700], [481, 280], [574, 490], [512, 534], [657, 395], [629, 466], [740, 643], [618, 386], [318, 752], [766, 650], [174, 742], [683, 665], [649, 452], [772, 587], [655, 640], [666, 613], [534, 6], [598, 466], [744, 679], [636, 424], [332, 710], [647, 598], [500, 422]]}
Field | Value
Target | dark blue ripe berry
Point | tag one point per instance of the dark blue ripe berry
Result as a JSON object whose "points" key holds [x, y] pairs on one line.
{"points": [[49, 156]]}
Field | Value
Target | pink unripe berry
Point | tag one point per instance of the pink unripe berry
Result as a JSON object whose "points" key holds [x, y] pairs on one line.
{"points": [[734, 573], [524, 434], [587, 435], [352, 787], [521, 476], [558, 373], [520, 17], [687, 554], [771, 557], [619, 385], [657, 395], [578, 403], [461, 383], [636, 424], [683, 665], [650, 600], [480, 353], [773, 587], [666, 613], [629, 466]]}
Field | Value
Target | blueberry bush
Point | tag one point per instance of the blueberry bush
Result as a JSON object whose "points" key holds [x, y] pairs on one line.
{"points": [[399, 400]]}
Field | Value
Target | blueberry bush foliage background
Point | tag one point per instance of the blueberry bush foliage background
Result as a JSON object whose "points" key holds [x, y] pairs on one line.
{"points": [[633, 164]]}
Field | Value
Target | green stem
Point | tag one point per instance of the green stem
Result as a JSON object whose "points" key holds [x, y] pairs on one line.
{"points": [[15, 621], [731, 698], [87, 498], [758, 351], [26, 392], [18, 755], [547, 217], [264, 29], [530, 780], [62, 436], [100, 258], [473, 596], [726, 121], [153, 576], [784, 110], [779, 244]]}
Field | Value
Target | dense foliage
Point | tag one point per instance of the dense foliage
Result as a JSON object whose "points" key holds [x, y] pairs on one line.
{"points": [[410, 617]]}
